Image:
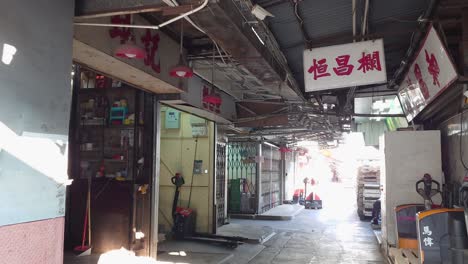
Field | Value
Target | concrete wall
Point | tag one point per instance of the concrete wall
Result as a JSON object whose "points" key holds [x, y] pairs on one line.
{"points": [[451, 144], [194, 96], [408, 156], [177, 155], [34, 114]]}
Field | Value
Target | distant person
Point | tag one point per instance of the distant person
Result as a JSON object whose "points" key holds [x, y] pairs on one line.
{"points": [[376, 212]]}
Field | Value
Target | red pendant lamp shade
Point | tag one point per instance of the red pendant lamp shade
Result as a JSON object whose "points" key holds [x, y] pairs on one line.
{"points": [[181, 71], [130, 51]]}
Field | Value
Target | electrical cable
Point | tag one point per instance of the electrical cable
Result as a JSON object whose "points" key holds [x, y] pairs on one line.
{"points": [[461, 142], [175, 3], [193, 173]]}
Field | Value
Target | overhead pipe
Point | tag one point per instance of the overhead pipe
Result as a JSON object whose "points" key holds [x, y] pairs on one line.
{"points": [[174, 3], [364, 23], [354, 20], [205, 2]]}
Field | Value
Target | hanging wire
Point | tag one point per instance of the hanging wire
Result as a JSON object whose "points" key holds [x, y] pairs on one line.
{"points": [[461, 142], [213, 67], [181, 36]]}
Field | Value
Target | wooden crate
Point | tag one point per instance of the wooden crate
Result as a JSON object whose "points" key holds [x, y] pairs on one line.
{"points": [[404, 256]]}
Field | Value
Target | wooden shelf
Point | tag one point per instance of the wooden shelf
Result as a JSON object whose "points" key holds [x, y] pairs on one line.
{"points": [[115, 161], [117, 149], [120, 126], [91, 151], [92, 125], [91, 160]]}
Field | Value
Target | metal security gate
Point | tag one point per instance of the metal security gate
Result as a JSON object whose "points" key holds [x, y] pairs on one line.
{"points": [[242, 177], [220, 184], [271, 177]]}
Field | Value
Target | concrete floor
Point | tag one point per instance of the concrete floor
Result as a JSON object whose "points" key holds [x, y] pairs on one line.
{"points": [[333, 234], [254, 234]]}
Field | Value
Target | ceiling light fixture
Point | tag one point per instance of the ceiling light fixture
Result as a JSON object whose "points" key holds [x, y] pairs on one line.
{"points": [[8, 52], [130, 50], [181, 70]]}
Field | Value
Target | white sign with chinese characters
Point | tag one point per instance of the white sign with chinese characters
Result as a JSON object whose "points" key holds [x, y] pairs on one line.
{"points": [[428, 240], [347, 65], [431, 73]]}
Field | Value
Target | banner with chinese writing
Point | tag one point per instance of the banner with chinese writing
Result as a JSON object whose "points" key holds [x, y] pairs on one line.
{"points": [[431, 73], [347, 65]]}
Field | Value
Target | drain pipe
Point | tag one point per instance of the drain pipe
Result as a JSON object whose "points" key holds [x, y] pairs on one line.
{"points": [[205, 2]]}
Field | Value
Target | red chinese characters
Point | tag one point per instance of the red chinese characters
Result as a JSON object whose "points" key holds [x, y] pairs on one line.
{"points": [[211, 100], [369, 62], [151, 43], [319, 68], [344, 68], [421, 82], [344, 65], [123, 33], [433, 68]]}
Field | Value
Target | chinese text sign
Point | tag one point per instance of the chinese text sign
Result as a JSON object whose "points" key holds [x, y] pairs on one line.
{"points": [[431, 72], [340, 66]]}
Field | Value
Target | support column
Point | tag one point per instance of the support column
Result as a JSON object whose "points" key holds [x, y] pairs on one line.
{"points": [[464, 44], [155, 179], [258, 179]]}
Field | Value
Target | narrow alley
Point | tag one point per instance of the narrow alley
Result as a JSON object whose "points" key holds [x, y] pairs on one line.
{"points": [[234, 132], [333, 234]]}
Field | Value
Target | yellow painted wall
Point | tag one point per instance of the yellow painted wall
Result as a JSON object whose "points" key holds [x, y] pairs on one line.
{"points": [[177, 155]]}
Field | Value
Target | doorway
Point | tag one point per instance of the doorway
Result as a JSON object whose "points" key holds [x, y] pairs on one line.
{"points": [[187, 149], [111, 164]]}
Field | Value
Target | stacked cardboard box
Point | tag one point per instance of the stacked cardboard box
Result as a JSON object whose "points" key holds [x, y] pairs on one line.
{"points": [[368, 188]]}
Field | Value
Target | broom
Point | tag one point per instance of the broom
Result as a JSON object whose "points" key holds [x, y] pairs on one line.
{"points": [[83, 250]]}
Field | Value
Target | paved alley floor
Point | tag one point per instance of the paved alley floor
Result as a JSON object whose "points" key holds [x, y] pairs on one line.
{"points": [[331, 235]]}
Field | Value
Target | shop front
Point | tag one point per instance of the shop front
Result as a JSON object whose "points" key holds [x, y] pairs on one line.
{"points": [[193, 147], [256, 177], [423, 170], [111, 164], [114, 138]]}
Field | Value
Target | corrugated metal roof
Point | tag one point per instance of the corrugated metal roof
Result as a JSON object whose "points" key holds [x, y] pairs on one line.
{"points": [[330, 22], [324, 18], [287, 25]]}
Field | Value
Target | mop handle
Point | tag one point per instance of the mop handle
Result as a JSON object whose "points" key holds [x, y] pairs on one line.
{"points": [[89, 218], [84, 227]]}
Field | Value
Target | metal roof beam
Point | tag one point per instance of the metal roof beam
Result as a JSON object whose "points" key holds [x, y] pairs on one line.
{"points": [[99, 8], [418, 37], [346, 37]]}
